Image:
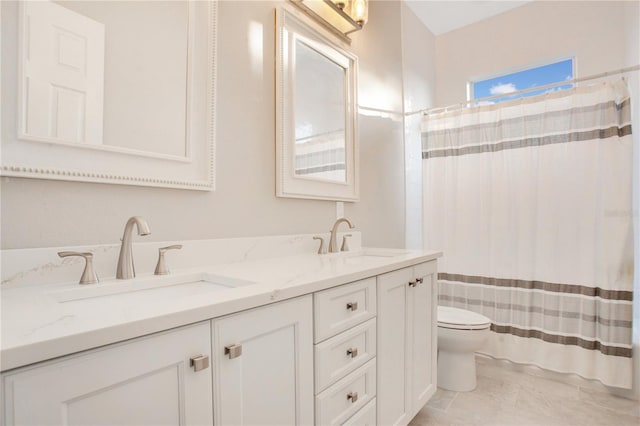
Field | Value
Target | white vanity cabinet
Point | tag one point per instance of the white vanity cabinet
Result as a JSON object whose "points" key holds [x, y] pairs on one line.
{"points": [[263, 365], [407, 342], [345, 352], [360, 353], [143, 381], [262, 372]]}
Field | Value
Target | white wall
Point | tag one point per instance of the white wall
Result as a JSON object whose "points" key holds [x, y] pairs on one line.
{"points": [[419, 46], [381, 132], [603, 35], [40, 213]]}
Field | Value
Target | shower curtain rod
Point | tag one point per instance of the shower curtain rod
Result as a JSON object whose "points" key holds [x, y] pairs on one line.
{"points": [[531, 89]]}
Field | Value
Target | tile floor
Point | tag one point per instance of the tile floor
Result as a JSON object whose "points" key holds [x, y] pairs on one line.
{"points": [[508, 397]]}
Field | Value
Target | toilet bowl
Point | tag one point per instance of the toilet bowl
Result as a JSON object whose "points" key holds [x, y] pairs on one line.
{"points": [[460, 334]]}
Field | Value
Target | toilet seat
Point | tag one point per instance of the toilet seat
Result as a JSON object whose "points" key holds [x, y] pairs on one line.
{"points": [[461, 319]]}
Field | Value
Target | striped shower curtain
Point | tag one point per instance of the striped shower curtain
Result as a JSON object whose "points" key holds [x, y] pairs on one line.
{"points": [[531, 202]]}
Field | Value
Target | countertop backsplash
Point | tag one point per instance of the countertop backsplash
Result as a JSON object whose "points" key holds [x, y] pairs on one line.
{"points": [[33, 266]]}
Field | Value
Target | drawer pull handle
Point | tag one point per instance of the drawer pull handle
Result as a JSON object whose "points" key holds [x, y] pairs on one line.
{"points": [[352, 306], [353, 396], [352, 352], [199, 362], [234, 351]]}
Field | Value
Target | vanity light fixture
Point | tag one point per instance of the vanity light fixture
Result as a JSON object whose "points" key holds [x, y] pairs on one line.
{"points": [[360, 11], [341, 17]]}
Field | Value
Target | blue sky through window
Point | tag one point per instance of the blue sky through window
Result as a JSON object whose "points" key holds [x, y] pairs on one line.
{"points": [[532, 77]]}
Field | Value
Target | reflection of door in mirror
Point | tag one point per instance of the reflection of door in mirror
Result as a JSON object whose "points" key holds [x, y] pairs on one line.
{"points": [[105, 73], [63, 74], [319, 116]]}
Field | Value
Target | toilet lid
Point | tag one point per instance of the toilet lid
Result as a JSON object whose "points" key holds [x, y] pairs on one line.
{"points": [[449, 317]]}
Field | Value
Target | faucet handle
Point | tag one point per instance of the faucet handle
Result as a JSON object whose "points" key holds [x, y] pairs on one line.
{"points": [[321, 249], [88, 275], [161, 267], [345, 246]]}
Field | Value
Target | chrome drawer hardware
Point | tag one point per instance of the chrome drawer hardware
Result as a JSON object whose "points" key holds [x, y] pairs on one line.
{"points": [[352, 306], [199, 362], [352, 352], [353, 396], [234, 351]]}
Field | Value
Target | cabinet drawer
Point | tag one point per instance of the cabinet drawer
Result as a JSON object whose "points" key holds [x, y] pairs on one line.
{"points": [[365, 417], [341, 354], [340, 308], [344, 398]]}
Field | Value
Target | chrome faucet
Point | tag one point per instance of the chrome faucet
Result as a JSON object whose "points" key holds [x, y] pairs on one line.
{"points": [[333, 245], [126, 269]]}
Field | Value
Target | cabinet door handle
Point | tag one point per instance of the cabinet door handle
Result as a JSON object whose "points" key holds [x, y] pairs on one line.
{"points": [[412, 283], [352, 352], [234, 351], [352, 306], [199, 362], [353, 396], [419, 280]]}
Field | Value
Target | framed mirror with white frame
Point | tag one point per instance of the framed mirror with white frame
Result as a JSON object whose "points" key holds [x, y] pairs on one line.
{"points": [[110, 92], [316, 115]]}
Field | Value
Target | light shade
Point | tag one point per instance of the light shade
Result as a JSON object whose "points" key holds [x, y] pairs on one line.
{"points": [[360, 11], [342, 17]]}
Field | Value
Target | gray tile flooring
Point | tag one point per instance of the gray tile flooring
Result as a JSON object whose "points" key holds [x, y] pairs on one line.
{"points": [[508, 397]]}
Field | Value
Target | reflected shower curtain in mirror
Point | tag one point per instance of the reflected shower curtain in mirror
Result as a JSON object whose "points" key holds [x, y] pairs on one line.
{"points": [[531, 202]]}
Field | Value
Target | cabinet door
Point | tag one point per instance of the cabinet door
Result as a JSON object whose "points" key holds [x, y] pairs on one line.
{"points": [[147, 381], [422, 324], [393, 334], [266, 375]]}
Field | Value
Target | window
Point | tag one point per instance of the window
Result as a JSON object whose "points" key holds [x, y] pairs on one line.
{"points": [[525, 79]]}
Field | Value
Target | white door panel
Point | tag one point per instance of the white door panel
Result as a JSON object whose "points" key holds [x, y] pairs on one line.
{"points": [[271, 381], [393, 403], [62, 77]]}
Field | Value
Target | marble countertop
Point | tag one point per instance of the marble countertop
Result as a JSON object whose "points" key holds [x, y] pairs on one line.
{"points": [[37, 326]]}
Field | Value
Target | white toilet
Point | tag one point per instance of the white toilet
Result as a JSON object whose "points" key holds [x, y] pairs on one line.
{"points": [[460, 334]]}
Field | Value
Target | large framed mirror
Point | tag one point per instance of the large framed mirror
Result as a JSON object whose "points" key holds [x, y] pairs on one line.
{"points": [[316, 117], [110, 92]]}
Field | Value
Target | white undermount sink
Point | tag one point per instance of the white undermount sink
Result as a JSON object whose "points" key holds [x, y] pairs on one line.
{"points": [[173, 284]]}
